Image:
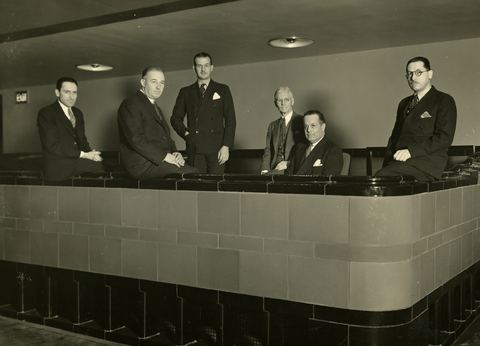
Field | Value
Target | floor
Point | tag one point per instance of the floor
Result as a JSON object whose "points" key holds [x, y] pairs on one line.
{"points": [[471, 336], [18, 333]]}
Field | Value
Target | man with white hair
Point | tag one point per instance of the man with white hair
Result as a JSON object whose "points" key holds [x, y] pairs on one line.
{"points": [[282, 134]]}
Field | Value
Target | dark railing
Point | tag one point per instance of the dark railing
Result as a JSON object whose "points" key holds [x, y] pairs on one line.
{"points": [[242, 176]]}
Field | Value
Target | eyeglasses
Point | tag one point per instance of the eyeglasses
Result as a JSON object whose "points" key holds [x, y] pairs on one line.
{"points": [[418, 73], [279, 101]]}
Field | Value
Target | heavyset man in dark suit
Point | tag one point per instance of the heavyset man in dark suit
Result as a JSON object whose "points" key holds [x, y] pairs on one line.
{"points": [[61, 126], [211, 123], [317, 155], [282, 134], [146, 148], [424, 128]]}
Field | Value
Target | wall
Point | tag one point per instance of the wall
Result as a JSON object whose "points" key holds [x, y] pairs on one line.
{"points": [[358, 259], [358, 93]]}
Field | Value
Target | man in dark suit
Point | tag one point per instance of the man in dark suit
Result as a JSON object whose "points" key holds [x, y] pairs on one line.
{"points": [[424, 128], [146, 148], [282, 134], [61, 126], [317, 155], [211, 123]]}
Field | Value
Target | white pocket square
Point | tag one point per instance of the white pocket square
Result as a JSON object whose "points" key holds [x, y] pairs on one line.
{"points": [[318, 163], [425, 115], [216, 96]]}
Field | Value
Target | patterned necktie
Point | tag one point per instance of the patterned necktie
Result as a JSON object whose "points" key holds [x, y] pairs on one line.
{"points": [[413, 103], [284, 127], [71, 116], [283, 135], [202, 89], [159, 113]]}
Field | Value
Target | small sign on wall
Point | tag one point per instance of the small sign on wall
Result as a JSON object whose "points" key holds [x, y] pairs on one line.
{"points": [[21, 97]]}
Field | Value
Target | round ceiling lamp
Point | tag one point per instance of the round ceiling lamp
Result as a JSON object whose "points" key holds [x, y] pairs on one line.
{"points": [[290, 42], [94, 67]]}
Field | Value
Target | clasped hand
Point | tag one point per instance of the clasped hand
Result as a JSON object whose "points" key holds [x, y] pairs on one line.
{"points": [[282, 165], [175, 159], [93, 155]]}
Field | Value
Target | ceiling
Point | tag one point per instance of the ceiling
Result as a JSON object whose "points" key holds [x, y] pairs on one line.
{"points": [[42, 40]]}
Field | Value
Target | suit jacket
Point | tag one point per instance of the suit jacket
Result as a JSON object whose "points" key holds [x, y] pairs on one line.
{"points": [[61, 143], [210, 121], [325, 159], [144, 138], [427, 132], [295, 134]]}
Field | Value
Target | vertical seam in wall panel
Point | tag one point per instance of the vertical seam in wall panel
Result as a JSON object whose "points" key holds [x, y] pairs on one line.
{"points": [[196, 212], [57, 217]]}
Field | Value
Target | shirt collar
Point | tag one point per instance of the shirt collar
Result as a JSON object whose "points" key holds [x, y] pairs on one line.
{"points": [[287, 117], [314, 144], [206, 82], [420, 96], [151, 100], [65, 109]]}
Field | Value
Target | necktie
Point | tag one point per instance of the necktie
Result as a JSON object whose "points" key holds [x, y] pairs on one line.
{"points": [[72, 117], [413, 103], [159, 113], [309, 150], [202, 89], [283, 135], [283, 130], [284, 127]]}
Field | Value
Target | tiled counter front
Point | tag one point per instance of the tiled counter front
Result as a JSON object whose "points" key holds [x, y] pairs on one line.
{"points": [[364, 254]]}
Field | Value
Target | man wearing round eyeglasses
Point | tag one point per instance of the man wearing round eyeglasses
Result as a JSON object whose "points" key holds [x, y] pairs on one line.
{"points": [[282, 134], [424, 128]]}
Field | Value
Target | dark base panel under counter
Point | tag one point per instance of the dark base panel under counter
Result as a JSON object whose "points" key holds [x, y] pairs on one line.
{"points": [[140, 312]]}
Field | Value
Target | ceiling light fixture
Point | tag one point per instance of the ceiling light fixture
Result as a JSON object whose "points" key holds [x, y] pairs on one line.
{"points": [[94, 67], [290, 42]]}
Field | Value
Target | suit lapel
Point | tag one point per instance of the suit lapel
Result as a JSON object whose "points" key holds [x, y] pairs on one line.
{"points": [[289, 138], [151, 108], [195, 94], [302, 147], [62, 119], [276, 134], [422, 106], [154, 114], [208, 97], [308, 162]]}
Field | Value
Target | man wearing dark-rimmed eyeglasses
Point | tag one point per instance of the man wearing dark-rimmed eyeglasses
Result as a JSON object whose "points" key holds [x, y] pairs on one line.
{"points": [[424, 128]]}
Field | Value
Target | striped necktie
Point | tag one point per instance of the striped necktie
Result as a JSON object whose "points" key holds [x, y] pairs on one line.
{"points": [[202, 89], [71, 117]]}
